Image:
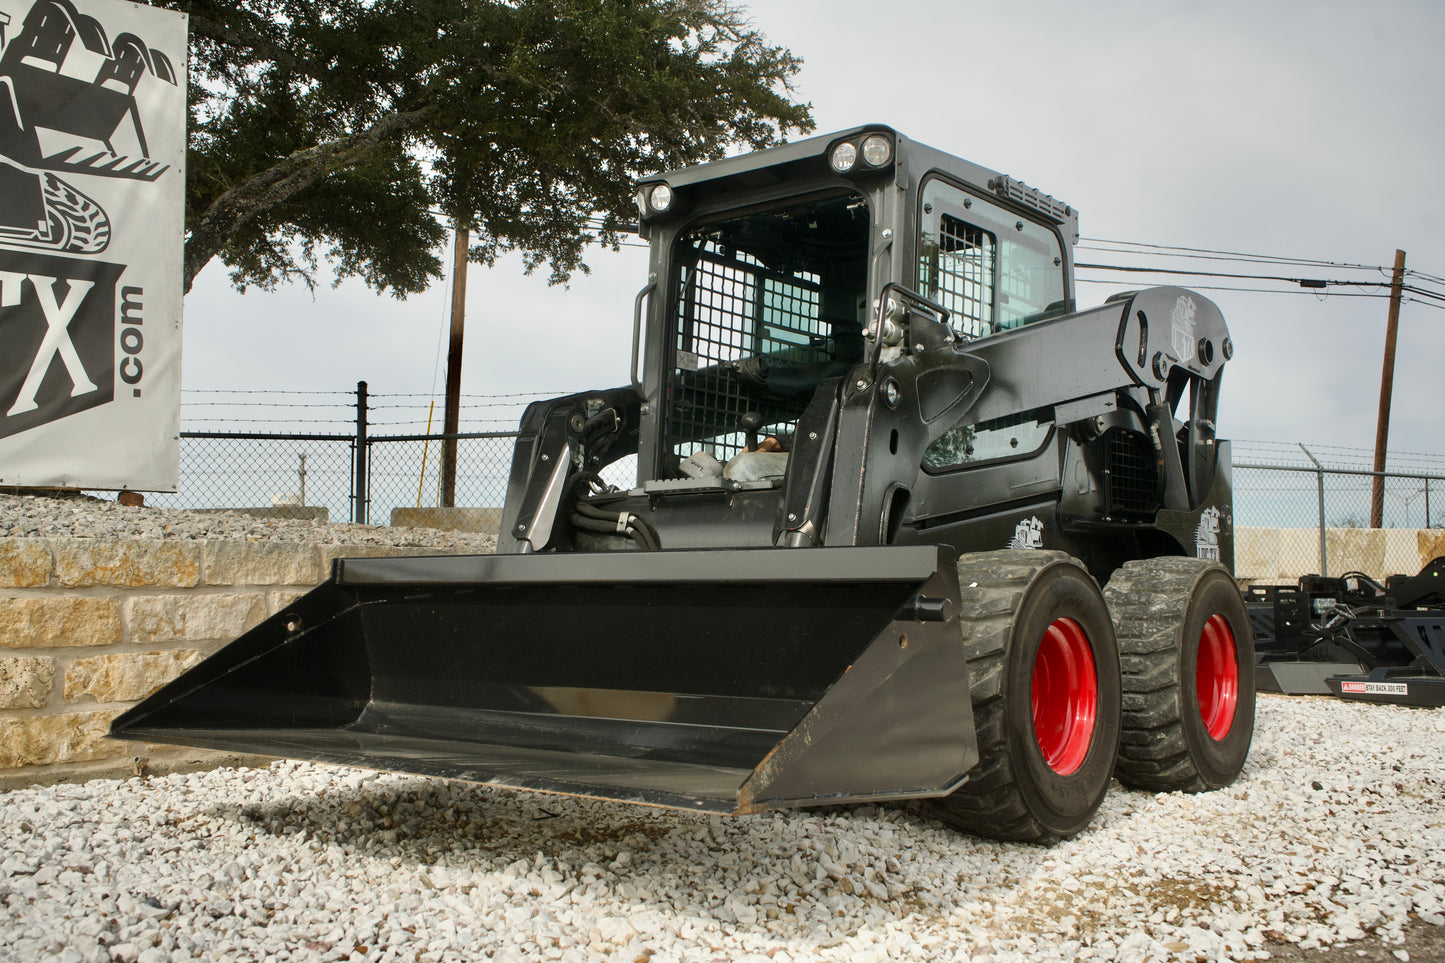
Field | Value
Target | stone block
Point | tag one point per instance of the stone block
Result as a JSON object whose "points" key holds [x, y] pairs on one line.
{"points": [[131, 563], [261, 563], [329, 553], [1430, 544], [124, 677], [58, 621], [64, 737], [24, 562], [1355, 550], [1299, 554], [276, 601], [1256, 552], [25, 682], [192, 618], [1402, 552], [486, 521]]}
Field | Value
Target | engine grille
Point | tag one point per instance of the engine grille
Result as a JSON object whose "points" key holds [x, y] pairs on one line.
{"points": [[1131, 474]]}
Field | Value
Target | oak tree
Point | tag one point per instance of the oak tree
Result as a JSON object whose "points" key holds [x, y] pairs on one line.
{"points": [[355, 130]]}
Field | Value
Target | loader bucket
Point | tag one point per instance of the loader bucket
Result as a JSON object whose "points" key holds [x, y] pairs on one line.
{"points": [[722, 681]]}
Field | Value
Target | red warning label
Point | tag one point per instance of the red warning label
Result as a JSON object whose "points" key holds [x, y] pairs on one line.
{"points": [[1376, 688]]}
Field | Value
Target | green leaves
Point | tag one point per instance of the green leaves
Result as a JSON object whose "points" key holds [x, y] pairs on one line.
{"points": [[349, 128]]}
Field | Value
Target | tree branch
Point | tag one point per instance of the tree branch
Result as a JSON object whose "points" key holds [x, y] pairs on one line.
{"points": [[282, 180]]}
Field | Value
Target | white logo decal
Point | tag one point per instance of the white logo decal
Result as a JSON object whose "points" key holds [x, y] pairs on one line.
{"points": [[1181, 329], [1206, 536], [1029, 533]]}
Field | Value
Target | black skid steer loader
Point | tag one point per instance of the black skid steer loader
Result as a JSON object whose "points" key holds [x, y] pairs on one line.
{"points": [[841, 538]]}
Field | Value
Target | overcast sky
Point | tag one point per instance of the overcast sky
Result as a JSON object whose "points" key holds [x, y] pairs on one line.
{"points": [[1284, 128]]}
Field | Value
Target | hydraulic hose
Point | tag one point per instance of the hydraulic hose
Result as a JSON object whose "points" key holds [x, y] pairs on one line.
{"points": [[592, 518]]}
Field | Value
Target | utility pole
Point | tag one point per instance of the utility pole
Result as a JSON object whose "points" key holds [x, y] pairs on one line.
{"points": [[451, 417], [1387, 384]]}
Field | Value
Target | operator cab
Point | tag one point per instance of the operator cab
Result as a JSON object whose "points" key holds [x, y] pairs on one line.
{"points": [[770, 269], [766, 305]]}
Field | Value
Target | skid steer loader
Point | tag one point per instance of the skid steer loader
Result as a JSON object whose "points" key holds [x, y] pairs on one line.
{"points": [[841, 538]]}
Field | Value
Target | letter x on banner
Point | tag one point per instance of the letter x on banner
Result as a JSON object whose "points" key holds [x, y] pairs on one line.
{"points": [[92, 182]]}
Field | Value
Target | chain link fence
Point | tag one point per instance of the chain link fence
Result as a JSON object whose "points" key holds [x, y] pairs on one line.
{"points": [[404, 480], [1301, 510], [1298, 509], [276, 475]]}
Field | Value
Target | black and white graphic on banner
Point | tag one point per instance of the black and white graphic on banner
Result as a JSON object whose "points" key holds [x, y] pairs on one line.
{"points": [[64, 326], [73, 105]]}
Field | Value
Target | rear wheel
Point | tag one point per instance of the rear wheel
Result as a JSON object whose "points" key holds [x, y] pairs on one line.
{"points": [[1044, 680], [1188, 669]]}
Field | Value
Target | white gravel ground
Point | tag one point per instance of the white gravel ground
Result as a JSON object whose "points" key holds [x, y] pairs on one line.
{"points": [[78, 516], [1336, 830]]}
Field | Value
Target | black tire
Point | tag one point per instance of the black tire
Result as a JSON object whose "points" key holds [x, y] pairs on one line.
{"points": [[1177, 620], [1010, 602]]}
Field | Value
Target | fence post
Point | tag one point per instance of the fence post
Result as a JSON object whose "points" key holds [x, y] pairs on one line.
{"points": [[1320, 485], [360, 482]]}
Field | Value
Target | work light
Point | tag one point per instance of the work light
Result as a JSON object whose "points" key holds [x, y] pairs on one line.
{"points": [[877, 151]]}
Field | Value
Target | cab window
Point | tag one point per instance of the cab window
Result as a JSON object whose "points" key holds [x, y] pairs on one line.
{"points": [[992, 268], [993, 440]]}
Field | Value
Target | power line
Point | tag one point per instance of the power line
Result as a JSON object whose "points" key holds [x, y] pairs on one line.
{"points": [[261, 391], [1223, 254], [1302, 282], [1220, 287]]}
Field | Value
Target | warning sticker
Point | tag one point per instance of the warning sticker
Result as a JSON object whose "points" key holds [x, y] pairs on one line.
{"points": [[1376, 688]]}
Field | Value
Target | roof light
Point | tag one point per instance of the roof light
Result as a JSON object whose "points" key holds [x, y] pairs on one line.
{"points": [[877, 151], [659, 198], [844, 156]]}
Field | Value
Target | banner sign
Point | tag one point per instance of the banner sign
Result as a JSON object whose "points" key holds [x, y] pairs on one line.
{"points": [[92, 195]]}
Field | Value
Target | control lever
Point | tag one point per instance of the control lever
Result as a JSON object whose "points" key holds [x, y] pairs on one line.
{"points": [[751, 421]]}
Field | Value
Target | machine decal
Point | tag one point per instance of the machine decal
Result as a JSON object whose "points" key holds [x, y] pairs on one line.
{"points": [[1182, 335], [1206, 536], [1029, 533], [1376, 688]]}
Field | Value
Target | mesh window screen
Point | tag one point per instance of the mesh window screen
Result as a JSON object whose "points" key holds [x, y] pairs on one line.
{"points": [[957, 270], [762, 304]]}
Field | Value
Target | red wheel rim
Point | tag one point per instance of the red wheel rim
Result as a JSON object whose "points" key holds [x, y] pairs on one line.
{"points": [[1217, 677], [1065, 696]]}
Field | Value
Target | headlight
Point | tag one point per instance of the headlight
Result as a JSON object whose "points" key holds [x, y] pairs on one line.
{"points": [[877, 151], [844, 156], [659, 198]]}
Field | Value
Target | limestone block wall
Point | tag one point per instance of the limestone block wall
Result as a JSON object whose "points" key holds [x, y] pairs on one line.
{"points": [[1282, 555], [88, 627]]}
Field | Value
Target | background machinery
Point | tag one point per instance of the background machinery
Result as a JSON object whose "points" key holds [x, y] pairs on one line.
{"points": [[1353, 637], [841, 537]]}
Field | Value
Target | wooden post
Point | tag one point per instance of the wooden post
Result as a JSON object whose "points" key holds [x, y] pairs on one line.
{"points": [[451, 417], [1387, 384]]}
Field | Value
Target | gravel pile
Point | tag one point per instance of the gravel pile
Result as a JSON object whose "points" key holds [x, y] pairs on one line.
{"points": [[27, 516], [1335, 831]]}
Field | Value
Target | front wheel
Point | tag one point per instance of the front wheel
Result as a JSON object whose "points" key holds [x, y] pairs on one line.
{"points": [[1044, 680], [1188, 661]]}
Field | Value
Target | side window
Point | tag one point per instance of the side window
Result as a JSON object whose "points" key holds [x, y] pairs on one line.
{"points": [[1008, 437], [991, 268], [957, 267]]}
